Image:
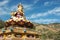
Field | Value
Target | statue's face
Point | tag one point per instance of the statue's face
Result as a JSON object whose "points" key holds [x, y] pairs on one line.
{"points": [[18, 13]]}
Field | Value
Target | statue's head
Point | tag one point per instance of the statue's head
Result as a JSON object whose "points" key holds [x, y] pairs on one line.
{"points": [[20, 6]]}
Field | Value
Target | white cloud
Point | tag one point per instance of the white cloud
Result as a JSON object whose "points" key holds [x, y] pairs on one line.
{"points": [[4, 2], [49, 3], [45, 21], [46, 3], [35, 1], [55, 11], [27, 7]]}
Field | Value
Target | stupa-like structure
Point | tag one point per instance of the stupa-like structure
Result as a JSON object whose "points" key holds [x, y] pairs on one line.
{"points": [[18, 28]]}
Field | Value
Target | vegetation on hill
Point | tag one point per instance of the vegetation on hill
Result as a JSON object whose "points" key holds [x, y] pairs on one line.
{"points": [[2, 24]]}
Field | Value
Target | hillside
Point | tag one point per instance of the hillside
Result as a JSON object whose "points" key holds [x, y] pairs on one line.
{"points": [[48, 31]]}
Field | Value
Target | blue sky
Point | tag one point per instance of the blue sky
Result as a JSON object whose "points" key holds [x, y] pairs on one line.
{"points": [[39, 11]]}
